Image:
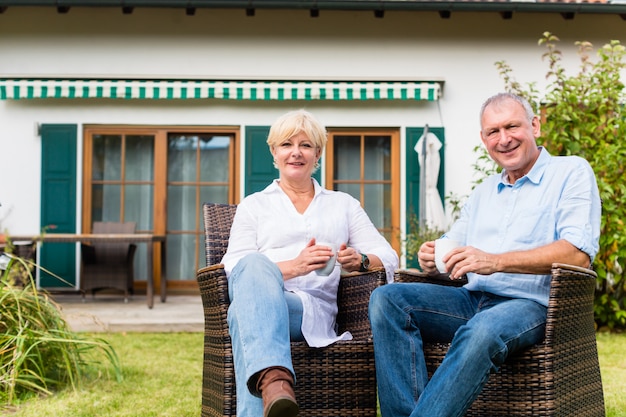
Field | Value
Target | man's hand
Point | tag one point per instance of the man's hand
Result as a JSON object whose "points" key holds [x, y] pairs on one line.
{"points": [[466, 259], [459, 261], [426, 257], [539, 260]]}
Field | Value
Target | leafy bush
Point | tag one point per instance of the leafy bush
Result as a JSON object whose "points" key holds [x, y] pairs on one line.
{"points": [[417, 234], [583, 114], [38, 351]]}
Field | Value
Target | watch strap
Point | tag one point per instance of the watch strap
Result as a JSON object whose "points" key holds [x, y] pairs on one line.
{"points": [[365, 263]]}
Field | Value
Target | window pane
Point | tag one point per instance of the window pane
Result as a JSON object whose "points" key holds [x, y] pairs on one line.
{"points": [[181, 157], [181, 262], [377, 158], [215, 194], [107, 157], [214, 158], [181, 207], [106, 201], [141, 254], [377, 204], [139, 158], [347, 157], [353, 189], [138, 205]]}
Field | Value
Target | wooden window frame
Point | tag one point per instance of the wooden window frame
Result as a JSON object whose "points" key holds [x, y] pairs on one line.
{"points": [[394, 135]]}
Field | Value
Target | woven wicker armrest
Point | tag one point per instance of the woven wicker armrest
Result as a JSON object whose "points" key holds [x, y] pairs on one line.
{"points": [[415, 275], [353, 298], [570, 307], [214, 292]]}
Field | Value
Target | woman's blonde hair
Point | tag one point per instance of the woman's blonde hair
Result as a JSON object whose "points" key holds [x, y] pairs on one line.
{"points": [[294, 122]]}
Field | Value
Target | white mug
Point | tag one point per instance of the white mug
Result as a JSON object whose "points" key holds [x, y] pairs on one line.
{"points": [[330, 265], [442, 247]]}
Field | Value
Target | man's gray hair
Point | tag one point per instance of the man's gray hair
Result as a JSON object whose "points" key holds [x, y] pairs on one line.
{"points": [[502, 97]]}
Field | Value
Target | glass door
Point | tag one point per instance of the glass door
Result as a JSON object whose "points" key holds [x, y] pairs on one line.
{"points": [[198, 171], [159, 177]]}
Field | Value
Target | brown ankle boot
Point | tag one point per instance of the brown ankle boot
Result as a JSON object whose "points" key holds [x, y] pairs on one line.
{"points": [[276, 387]]}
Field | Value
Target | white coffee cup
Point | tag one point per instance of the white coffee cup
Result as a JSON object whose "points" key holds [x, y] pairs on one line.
{"points": [[442, 247], [330, 265]]}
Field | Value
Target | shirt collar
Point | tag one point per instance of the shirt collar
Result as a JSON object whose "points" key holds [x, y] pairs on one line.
{"points": [[534, 175], [273, 187]]}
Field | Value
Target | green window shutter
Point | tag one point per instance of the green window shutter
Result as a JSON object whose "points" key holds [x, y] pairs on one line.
{"points": [[58, 202], [259, 171], [413, 134]]}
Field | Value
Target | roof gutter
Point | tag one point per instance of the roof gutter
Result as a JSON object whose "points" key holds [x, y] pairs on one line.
{"points": [[618, 7]]}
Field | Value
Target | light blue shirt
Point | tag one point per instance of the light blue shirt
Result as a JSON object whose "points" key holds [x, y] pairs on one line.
{"points": [[558, 199]]}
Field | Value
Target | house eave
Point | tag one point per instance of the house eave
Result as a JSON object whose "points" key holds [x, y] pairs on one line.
{"points": [[616, 7]]}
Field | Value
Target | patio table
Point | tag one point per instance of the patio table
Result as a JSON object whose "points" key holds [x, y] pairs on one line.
{"points": [[117, 238]]}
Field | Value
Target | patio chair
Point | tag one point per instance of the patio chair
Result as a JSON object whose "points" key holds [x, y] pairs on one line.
{"points": [[558, 377], [107, 265], [338, 380]]}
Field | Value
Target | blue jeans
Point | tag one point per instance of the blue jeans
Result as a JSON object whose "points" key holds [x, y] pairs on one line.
{"points": [[262, 319], [484, 330]]}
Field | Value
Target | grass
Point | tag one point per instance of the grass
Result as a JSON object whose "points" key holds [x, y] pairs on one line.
{"points": [[611, 349], [163, 377]]}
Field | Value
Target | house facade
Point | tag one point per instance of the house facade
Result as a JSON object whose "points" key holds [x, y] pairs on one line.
{"points": [[142, 110]]}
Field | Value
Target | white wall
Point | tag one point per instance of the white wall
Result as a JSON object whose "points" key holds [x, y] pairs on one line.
{"points": [[156, 43]]}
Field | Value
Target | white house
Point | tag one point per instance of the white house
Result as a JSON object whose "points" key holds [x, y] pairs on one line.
{"points": [[140, 110]]}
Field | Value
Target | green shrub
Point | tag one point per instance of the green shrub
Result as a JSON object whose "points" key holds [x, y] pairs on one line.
{"points": [[583, 114], [38, 351], [416, 235]]}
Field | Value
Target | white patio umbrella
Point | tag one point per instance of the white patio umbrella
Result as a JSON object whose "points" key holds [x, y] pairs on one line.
{"points": [[431, 207]]}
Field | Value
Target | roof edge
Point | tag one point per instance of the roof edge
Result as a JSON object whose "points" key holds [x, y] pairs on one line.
{"points": [[531, 6]]}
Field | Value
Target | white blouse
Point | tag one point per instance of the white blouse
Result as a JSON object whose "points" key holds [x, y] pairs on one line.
{"points": [[268, 222]]}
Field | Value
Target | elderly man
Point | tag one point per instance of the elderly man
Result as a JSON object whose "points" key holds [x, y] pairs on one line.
{"points": [[540, 209]]}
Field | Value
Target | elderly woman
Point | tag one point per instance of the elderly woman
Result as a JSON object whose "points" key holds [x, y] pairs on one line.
{"points": [[274, 262]]}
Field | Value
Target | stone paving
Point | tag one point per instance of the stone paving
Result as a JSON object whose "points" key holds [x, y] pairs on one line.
{"points": [[109, 313]]}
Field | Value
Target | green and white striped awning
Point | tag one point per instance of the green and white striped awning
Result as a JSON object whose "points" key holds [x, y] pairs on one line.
{"points": [[15, 89]]}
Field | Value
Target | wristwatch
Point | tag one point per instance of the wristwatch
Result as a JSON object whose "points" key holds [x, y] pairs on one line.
{"points": [[365, 263]]}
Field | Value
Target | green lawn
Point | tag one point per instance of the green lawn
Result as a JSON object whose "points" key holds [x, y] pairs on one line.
{"points": [[612, 354], [163, 377]]}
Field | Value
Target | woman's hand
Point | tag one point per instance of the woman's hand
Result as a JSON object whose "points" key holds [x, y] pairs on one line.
{"points": [[311, 258], [349, 258]]}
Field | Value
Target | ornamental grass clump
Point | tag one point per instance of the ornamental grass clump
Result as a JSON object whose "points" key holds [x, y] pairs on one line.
{"points": [[39, 353]]}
